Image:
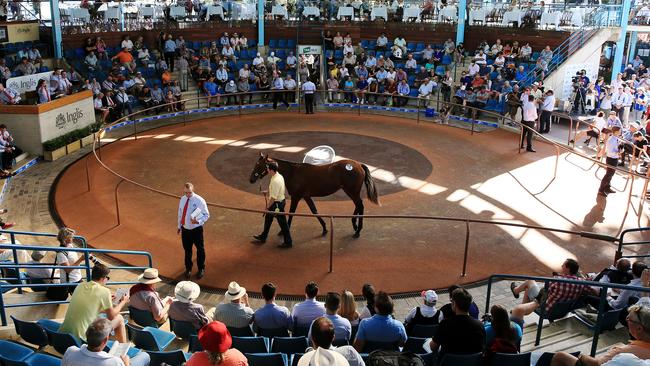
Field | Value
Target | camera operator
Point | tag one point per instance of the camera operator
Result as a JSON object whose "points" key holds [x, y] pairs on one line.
{"points": [[579, 93]]}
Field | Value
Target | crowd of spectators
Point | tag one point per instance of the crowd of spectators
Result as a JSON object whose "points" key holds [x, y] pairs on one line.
{"points": [[460, 330]]}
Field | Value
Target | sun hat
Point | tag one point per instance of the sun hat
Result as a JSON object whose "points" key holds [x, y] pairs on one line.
{"points": [[215, 337], [322, 357], [186, 291], [235, 291], [150, 276]]}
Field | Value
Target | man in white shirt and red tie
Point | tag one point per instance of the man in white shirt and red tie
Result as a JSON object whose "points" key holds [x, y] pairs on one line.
{"points": [[192, 215]]}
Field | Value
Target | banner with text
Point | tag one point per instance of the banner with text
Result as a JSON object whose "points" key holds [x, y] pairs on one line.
{"points": [[26, 83]]}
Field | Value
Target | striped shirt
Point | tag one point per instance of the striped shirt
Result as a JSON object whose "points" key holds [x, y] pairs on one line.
{"points": [[235, 315]]}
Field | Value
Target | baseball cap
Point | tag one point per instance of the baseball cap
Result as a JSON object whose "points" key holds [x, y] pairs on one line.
{"points": [[429, 296]]}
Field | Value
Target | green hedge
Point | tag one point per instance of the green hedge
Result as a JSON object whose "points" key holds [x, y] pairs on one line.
{"points": [[70, 137]]}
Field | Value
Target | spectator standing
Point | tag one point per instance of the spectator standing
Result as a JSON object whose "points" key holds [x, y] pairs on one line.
{"points": [[309, 88], [90, 299], [613, 152], [548, 105], [170, 52], [529, 107], [278, 88]]}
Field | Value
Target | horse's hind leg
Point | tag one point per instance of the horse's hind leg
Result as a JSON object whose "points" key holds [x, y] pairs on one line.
{"points": [[312, 207], [358, 210]]}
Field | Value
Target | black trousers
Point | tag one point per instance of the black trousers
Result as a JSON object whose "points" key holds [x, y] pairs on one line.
{"points": [[169, 59], [282, 221], [8, 158], [279, 96], [309, 103], [190, 238], [528, 134], [545, 122], [607, 179]]}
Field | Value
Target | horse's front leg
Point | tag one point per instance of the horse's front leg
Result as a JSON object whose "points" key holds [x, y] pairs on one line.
{"points": [[312, 207]]}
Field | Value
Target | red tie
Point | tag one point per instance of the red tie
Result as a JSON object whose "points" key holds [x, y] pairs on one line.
{"points": [[185, 211]]}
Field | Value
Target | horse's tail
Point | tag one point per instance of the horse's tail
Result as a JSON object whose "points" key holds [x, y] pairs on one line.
{"points": [[371, 189]]}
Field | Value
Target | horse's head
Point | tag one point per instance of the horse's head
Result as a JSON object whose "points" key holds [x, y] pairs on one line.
{"points": [[259, 171]]}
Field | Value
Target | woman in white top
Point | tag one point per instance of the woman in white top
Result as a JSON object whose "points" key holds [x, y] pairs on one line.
{"points": [[68, 258]]}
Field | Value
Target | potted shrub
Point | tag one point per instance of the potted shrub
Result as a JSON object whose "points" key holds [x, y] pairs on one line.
{"points": [[73, 141], [55, 148], [88, 136]]}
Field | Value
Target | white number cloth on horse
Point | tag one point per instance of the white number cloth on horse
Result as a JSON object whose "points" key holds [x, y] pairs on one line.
{"points": [[320, 155]]}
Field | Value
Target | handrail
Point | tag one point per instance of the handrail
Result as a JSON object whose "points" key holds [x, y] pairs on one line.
{"points": [[16, 265], [97, 144], [542, 307], [622, 243], [600, 18], [13, 234]]}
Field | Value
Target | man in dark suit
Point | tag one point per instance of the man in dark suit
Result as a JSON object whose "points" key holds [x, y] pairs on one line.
{"points": [[109, 102]]}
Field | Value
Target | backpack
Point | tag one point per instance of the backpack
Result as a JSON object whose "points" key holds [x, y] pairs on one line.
{"points": [[394, 358]]}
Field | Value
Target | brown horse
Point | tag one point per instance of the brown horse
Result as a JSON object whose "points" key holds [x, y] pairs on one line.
{"points": [[304, 181]]}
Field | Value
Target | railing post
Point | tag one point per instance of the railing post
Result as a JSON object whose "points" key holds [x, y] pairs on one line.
{"points": [[542, 312], [87, 174], [117, 203], [15, 255], [599, 318], [418, 121], [489, 292], [135, 131], [87, 264], [331, 244], [464, 273]]}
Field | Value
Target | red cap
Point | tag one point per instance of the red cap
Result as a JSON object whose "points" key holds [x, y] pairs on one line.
{"points": [[215, 337]]}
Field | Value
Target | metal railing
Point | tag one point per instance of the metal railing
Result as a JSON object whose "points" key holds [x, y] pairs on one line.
{"points": [[622, 243], [414, 112], [542, 307], [599, 17], [9, 282]]}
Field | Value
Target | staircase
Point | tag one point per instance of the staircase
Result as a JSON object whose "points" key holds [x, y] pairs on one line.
{"points": [[191, 92]]}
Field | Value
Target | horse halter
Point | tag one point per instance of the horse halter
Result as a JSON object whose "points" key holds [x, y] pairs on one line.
{"points": [[264, 172]]}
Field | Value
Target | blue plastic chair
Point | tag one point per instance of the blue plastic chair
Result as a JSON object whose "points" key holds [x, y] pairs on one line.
{"points": [[291, 43], [176, 357], [49, 324], [282, 43], [142, 317], [289, 345], [36, 359], [251, 344], [241, 332], [300, 332], [62, 341], [475, 359], [295, 358], [149, 338], [424, 331], [31, 332], [13, 351], [272, 332], [505, 359], [267, 359], [182, 329], [273, 43]]}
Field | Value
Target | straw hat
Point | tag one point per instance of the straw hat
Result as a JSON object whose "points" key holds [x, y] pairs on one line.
{"points": [[322, 357], [149, 277], [186, 291], [235, 291]]}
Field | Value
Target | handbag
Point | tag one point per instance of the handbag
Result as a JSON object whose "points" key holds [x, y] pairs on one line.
{"points": [[56, 293]]}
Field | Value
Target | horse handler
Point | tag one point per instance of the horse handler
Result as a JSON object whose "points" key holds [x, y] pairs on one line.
{"points": [[276, 203]]}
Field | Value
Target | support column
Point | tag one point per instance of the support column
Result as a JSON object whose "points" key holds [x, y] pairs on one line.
{"points": [[620, 45], [121, 15], [460, 28], [56, 28], [631, 51], [260, 23]]}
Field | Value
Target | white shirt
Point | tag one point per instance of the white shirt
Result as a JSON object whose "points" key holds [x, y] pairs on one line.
{"points": [[196, 201], [549, 103], [68, 257], [600, 123], [612, 147], [44, 273], [425, 89], [473, 69], [530, 111], [76, 356], [308, 87]]}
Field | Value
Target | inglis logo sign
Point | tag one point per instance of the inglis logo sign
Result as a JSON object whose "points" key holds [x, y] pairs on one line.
{"points": [[26, 83], [64, 120]]}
